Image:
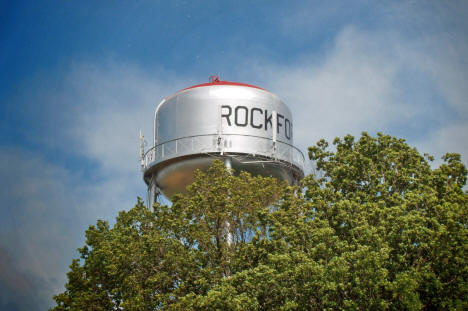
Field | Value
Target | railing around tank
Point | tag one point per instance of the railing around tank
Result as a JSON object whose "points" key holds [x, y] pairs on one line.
{"points": [[225, 143]]}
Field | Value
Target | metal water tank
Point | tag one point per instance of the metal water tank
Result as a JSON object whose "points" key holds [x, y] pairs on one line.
{"points": [[245, 126]]}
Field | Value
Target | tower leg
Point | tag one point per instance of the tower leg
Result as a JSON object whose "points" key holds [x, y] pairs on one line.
{"points": [[152, 194], [227, 225]]}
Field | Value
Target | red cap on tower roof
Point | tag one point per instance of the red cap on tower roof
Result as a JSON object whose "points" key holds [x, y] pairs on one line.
{"points": [[214, 80]]}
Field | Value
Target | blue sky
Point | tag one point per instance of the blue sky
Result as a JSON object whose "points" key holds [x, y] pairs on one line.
{"points": [[78, 79]]}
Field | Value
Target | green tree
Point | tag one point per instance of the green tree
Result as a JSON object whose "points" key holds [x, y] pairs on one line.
{"points": [[373, 228]]}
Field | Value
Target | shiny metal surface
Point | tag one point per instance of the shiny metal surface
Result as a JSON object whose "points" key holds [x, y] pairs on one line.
{"points": [[195, 112], [198, 125]]}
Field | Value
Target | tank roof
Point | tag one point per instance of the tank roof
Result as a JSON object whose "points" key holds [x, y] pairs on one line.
{"points": [[216, 81]]}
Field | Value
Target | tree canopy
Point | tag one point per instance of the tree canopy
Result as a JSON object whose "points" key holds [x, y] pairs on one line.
{"points": [[374, 227]]}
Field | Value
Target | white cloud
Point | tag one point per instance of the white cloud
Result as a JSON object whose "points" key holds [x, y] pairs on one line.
{"points": [[378, 81], [115, 101], [450, 73], [41, 212], [353, 89], [452, 138]]}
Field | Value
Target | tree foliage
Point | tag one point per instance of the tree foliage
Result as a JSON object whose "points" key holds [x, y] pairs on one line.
{"points": [[374, 228]]}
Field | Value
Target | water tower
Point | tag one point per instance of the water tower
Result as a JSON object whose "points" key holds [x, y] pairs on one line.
{"points": [[245, 126]]}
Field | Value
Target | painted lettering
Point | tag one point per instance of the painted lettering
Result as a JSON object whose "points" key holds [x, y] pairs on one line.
{"points": [[237, 118], [226, 115], [253, 117], [256, 126], [267, 120], [287, 128], [279, 124]]}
